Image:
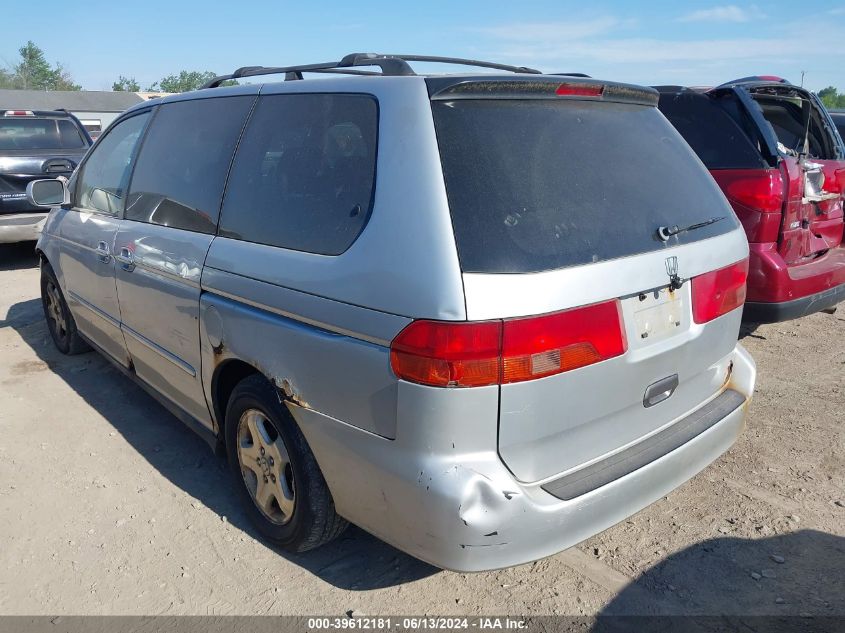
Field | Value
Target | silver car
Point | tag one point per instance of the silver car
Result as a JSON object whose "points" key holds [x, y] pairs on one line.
{"points": [[481, 316]]}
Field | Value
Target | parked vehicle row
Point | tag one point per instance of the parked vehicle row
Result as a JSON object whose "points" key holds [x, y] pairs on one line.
{"points": [[33, 145], [481, 316], [776, 154]]}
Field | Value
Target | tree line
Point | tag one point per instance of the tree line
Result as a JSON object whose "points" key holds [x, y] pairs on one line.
{"points": [[34, 72]]}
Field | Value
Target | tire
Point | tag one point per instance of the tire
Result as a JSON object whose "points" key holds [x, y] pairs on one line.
{"points": [[280, 485], [60, 321]]}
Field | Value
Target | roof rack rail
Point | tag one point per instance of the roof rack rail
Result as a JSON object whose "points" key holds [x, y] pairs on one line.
{"points": [[390, 65]]}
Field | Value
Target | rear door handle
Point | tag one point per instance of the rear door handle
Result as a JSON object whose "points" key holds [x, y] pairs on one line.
{"points": [[103, 253], [660, 391], [126, 259]]}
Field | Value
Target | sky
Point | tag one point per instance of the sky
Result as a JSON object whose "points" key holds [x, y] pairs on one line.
{"points": [[660, 42]]}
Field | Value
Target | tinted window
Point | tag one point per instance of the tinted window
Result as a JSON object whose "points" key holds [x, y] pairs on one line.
{"points": [[31, 133], [183, 162], [541, 184], [304, 174], [105, 174], [719, 142], [839, 121]]}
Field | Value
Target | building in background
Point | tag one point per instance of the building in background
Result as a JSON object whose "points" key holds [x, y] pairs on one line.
{"points": [[96, 109]]}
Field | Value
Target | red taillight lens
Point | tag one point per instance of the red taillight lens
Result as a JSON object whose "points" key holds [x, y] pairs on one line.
{"points": [[444, 354], [719, 291], [761, 190], [579, 90], [757, 196], [554, 343]]}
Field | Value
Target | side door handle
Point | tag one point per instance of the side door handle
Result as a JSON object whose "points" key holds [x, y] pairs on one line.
{"points": [[126, 259], [103, 253]]}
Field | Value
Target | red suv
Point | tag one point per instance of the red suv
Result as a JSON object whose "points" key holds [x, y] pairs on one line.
{"points": [[775, 152]]}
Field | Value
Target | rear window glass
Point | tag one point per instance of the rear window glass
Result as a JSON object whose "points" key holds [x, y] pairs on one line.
{"points": [[714, 135], [541, 184], [34, 133]]}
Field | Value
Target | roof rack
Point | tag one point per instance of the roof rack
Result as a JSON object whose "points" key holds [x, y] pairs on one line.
{"points": [[390, 65]]}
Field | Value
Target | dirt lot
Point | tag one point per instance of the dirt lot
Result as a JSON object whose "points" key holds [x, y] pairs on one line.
{"points": [[109, 505]]}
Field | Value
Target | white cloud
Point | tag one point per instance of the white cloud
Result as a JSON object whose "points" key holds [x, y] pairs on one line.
{"points": [[561, 31], [727, 13]]}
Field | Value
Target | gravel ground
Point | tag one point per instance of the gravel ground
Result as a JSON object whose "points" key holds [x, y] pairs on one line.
{"points": [[109, 505]]}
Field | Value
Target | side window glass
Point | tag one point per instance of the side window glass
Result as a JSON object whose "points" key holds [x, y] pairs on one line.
{"points": [[105, 175], [182, 166], [304, 174]]}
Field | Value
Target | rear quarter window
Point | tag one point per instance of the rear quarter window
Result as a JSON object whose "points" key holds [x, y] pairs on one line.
{"points": [[542, 184], [304, 174]]}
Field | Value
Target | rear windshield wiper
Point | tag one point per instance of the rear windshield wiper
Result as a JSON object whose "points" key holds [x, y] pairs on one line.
{"points": [[665, 232]]}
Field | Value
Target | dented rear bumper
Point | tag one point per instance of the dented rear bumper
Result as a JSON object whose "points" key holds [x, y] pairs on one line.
{"points": [[440, 492]]}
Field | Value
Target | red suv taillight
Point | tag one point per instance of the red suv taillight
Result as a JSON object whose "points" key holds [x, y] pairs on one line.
{"points": [[758, 191], [474, 354], [719, 291]]}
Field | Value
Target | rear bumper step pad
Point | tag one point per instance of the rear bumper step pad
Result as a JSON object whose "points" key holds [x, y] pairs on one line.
{"points": [[601, 473]]}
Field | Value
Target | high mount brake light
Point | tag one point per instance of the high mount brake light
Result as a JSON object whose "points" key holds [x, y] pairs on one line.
{"points": [[19, 113], [474, 354], [579, 90], [719, 291]]}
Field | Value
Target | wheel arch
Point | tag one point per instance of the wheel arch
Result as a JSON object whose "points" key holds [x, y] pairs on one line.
{"points": [[226, 377]]}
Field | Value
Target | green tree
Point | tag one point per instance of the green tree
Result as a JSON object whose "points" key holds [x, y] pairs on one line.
{"points": [[126, 84], [34, 72], [185, 81], [7, 79], [831, 98]]}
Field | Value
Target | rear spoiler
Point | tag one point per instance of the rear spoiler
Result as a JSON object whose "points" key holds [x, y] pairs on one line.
{"points": [[543, 87]]}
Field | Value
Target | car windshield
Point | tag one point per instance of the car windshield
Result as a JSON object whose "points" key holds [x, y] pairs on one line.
{"points": [[32, 133], [542, 184]]}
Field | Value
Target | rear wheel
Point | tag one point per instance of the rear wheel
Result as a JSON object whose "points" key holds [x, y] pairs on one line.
{"points": [[59, 319], [276, 475]]}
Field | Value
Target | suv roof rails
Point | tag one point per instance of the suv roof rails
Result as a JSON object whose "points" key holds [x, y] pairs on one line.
{"points": [[390, 64]]}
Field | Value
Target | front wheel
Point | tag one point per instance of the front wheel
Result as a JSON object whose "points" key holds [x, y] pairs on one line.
{"points": [[274, 471], [59, 319]]}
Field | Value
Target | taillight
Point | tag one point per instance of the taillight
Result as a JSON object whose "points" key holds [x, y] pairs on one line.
{"points": [[757, 196], [761, 190], [579, 90], [446, 354], [474, 354], [554, 343], [719, 291]]}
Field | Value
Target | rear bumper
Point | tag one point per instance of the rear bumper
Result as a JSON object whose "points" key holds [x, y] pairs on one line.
{"points": [[21, 227], [461, 509], [775, 312], [779, 292]]}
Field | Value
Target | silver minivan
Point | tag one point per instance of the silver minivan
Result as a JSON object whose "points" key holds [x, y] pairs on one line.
{"points": [[481, 316]]}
